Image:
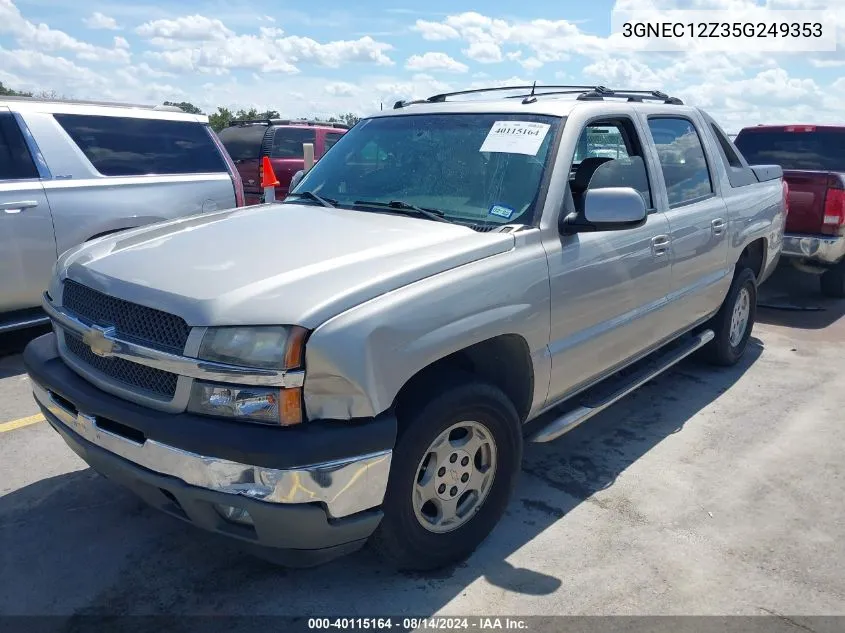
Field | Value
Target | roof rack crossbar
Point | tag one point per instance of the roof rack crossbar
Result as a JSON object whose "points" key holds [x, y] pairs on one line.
{"points": [[440, 98], [585, 93], [336, 124]]}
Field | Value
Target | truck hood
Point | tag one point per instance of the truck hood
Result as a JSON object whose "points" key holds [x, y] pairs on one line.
{"points": [[273, 264]]}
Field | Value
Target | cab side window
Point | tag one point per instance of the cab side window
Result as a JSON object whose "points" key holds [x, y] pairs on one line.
{"points": [[682, 160], [609, 154], [15, 160]]}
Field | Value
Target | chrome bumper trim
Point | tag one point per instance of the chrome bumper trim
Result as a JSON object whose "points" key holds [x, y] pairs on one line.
{"points": [[111, 346], [827, 250], [345, 486]]}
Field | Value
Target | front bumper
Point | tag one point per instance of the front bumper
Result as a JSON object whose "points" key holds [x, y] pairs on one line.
{"points": [[311, 492], [814, 248]]}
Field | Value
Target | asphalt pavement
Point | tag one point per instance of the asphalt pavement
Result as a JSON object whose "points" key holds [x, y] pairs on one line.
{"points": [[708, 491]]}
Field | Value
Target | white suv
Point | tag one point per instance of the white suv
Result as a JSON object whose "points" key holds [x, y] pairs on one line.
{"points": [[73, 171]]}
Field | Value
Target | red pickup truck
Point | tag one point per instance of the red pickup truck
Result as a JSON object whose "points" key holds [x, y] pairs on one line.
{"points": [[248, 141], [813, 161]]}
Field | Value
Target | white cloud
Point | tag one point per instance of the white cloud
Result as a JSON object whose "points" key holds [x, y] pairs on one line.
{"points": [[270, 31], [99, 21], [196, 28], [827, 63], [435, 31], [120, 42], [42, 38], [484, 52], [341, 89], [435, 61], [265, 52]]}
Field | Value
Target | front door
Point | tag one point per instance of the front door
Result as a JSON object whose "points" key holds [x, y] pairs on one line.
{"points": [[608, 289], [27, 241]]}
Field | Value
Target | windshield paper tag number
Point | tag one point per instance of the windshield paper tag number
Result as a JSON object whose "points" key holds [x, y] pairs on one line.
{"points": [[501, 211], [515, 137]]}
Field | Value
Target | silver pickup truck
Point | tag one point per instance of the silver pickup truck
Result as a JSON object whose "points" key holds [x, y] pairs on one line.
{"points": [[363, 361]]}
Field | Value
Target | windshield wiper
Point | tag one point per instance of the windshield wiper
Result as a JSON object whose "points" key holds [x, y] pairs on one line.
{"points": [[326, 202], [400, 205]]}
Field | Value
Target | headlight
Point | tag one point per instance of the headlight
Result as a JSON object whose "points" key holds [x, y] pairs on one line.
{"points": [[265, 347]]}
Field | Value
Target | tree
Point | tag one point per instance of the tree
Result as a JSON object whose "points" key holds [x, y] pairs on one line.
{"points": [[220, 119], [350, 119], [186, 106], [8, 92], [269, 114]]}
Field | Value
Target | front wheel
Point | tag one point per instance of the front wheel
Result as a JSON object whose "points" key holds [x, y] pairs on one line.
{"points": [[454, 469], [733, 323]]}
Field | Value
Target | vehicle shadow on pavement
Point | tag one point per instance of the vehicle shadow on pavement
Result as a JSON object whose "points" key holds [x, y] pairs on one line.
{"points": [[11, 346], [791, 298], [78, 544]]}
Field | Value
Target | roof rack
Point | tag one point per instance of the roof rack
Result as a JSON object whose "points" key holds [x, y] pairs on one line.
{"points": [[585, 93], [113, 104], [288, 122]]}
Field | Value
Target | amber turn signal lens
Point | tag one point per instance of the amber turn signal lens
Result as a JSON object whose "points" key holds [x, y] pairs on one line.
{"points": [[295, 351], [290, 406]]}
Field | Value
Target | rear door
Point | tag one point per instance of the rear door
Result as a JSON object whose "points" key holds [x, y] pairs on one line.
{"points": [[287, 154], [698, 217], [27, 241], [809, 155]]}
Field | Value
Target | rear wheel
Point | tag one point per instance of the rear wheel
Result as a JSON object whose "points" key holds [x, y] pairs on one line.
{"points": [[733, 323], [833, 281], [454, 469]]}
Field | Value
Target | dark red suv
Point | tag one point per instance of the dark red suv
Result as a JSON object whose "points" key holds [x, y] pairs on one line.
{"points": [[248, 141]]}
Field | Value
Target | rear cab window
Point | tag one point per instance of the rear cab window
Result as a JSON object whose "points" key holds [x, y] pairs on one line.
{"points": [[288, 141], [330, 139], [124, 146], [15, 160], [682, 160], [808, 148]]}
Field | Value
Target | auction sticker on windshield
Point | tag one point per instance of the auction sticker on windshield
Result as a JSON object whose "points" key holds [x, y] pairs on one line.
{"points": [[515, 137]]}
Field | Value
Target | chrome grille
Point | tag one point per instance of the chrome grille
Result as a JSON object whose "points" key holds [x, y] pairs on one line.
{"points": [[146, 326], [154, 381]]}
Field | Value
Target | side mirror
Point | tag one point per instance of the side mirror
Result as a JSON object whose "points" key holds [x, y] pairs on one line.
{"points": [[609, 209], [296, 178]]}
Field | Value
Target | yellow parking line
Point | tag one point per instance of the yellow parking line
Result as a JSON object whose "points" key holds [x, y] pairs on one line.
{"points": [[22, 422]]}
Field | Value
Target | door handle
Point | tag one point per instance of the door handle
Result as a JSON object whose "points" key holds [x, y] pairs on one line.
{"points": [[660, 245], [718, 226], [17, 207]]}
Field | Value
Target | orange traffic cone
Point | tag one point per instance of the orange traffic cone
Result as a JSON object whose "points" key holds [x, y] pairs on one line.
{"points": [[269, 182]]}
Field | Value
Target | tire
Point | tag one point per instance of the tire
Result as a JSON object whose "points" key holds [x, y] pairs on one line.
{"points": [[406, 537], [833, 281], [722, 350]]}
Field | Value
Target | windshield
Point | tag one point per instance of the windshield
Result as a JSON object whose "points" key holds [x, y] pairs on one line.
{"points": [[822, 150], [474, 168]]}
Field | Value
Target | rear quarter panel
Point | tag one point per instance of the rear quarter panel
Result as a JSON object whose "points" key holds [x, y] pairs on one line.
{"points": [[755, 211], [85, 208]]}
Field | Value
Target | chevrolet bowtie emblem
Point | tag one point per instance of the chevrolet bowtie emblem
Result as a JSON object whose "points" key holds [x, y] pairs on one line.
{"points": [[97, 339]]}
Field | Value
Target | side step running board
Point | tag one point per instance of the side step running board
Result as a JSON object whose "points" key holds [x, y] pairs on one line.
{"points": [[596, 400]]}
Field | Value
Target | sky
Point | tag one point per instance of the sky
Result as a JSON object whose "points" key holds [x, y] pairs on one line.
{"points": [[324, 57]]}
